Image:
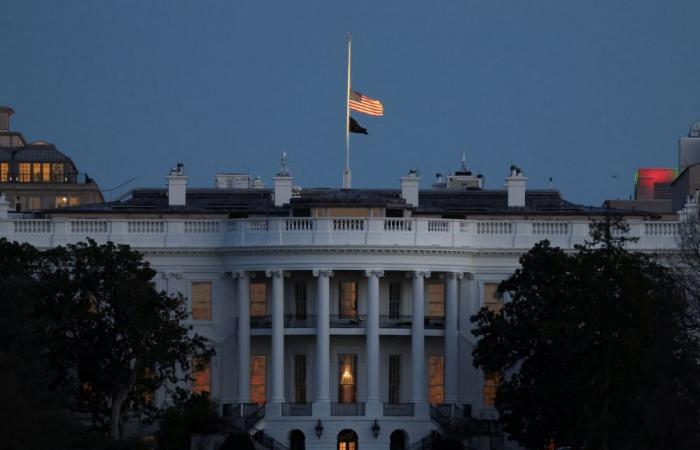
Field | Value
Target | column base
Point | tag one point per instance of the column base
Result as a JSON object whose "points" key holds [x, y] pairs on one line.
{"points": [[374, 408], [421, 409], [273, 409], [321, 409]]}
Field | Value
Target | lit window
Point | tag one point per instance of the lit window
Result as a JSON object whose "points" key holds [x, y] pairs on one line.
{"points": [[148, 395], [492, 299], [436, 300], [74, 201], [258, 299], [25, 172], [58, 173], [346, 378], [491, 382], [36, 172], [61, 202], [202, 376], [34, 202], [201, 301], [436, 379], [257, 378], [348, 300], [4, 172], [46, 172]]}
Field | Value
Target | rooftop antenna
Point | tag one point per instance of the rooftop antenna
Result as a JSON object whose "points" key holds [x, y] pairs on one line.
{"points": [[464, 162]]}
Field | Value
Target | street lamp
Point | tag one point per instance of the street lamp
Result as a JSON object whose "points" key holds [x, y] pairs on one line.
{"points": [[319, 429], [375, 428]]}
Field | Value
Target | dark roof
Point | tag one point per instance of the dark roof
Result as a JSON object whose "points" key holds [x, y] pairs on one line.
{"points": [[35, 152], [243, 202]]}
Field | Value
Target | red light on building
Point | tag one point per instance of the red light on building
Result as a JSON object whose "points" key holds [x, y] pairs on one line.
{"points": [[646, 179]]}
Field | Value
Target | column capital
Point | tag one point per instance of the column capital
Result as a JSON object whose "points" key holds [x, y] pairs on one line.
{"points": [[175, 275], [323, 273], [374, 273], [276, 274], [240, 274], [418, 274], [456, 275]]}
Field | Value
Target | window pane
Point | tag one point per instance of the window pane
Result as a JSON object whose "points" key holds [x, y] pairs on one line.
{"points": [[394, 378], [36, 173], [348, 300], [46, 172], [346, 378], [4, 172], [436, 300], [201, 301], [258, 299], [300, 378], [24, 172], [492, 300], [202, 376], [436, 379], [394, 300], [491, 382], [257, 378], [58, 173], [300, 300]]}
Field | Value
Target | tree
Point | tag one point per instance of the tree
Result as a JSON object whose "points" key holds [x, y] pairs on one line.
{"points": [[109, 335], [594, 350], [189, 413]]}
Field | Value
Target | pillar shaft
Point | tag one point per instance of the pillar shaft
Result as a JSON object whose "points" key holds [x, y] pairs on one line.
{"points": [[277, 391], [451, 336], [243, 338], [323, 337], [418, 338], [372, 337]]}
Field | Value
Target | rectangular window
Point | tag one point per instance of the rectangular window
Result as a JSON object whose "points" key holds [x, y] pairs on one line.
{"points": [[36, 173], [58, 173], [492, 299], [61, 202], [436, 379], [347, 308], [394, 300], [46, 172], [347, 376], [491, 382], [258, 299], [202, 376], [25, 172], [300, 378], [436, 300], [34, 202], [201, 301], [4, 172], [394, 378], [74, 201], [257, 378], [300, 301]]}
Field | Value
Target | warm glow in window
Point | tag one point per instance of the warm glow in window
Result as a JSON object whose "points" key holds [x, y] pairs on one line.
{"points": [[347, 308], [436, 379], [202, 376], [491, 382], [492, 299], [61, 202], [436, 300], [257, 378], [201, 301], [58, 172], [46, 172], [258, 299], [4, 172], [74, 201], [36, 172], [347, 378], [25, 172]]}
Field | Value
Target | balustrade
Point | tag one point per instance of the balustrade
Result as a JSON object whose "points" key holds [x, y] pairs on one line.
{"points": [[347, 409]]}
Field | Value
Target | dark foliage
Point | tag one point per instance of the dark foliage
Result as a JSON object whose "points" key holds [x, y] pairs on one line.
{"points": [[188, 414]]}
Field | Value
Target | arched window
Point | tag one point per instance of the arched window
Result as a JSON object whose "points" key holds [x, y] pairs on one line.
{"points": [[297, 440], [347, 440], [398, 440]]}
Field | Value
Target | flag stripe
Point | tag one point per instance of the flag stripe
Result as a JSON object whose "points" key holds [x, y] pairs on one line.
{"points": [[366, 105]]}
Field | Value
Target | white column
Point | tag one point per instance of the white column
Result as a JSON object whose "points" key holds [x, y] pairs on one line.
{"points": [[322, 406], [243, 337], [277, 351], [418, 343], [372, 399], [451, 343]]}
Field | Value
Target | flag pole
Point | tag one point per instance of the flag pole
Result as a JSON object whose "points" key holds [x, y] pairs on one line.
{"points": [[347, 176]]}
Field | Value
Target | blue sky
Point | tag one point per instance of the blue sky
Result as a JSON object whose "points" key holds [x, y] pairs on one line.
{"points": [[575, 90]]}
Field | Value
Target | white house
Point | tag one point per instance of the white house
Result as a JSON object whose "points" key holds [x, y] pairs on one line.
{"points": [[340, 318]]}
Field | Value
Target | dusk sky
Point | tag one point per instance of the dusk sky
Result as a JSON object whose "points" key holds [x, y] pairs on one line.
{"points": [[580, 91]]}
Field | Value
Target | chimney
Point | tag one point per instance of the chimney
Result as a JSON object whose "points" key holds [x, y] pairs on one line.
{"points": [[283, 184], [4, 206], [5, 113], [515, 184], [409, 187], [177, 186]]}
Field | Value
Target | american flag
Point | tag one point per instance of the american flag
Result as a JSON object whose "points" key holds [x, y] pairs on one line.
{"points": [[366, 105]]}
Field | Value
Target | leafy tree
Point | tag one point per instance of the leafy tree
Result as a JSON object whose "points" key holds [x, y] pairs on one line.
{"points": [[189, 413], [595, 350], [109, 335]]}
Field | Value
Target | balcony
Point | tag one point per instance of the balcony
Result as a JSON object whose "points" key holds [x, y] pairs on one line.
{"points": [[337, 321], [347, 409], [389, 321], [398, 409], [296, 409], [299, 321], [261, 321]]}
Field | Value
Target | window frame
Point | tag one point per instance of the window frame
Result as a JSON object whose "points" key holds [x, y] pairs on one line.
{"points": [[211, 300]]}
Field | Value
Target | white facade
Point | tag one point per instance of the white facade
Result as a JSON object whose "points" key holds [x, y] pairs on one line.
{"points": [[320, 253]]}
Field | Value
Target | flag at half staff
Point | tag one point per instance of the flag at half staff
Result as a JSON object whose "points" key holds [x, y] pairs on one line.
{"points": [[366, 105], [356, 127]]}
